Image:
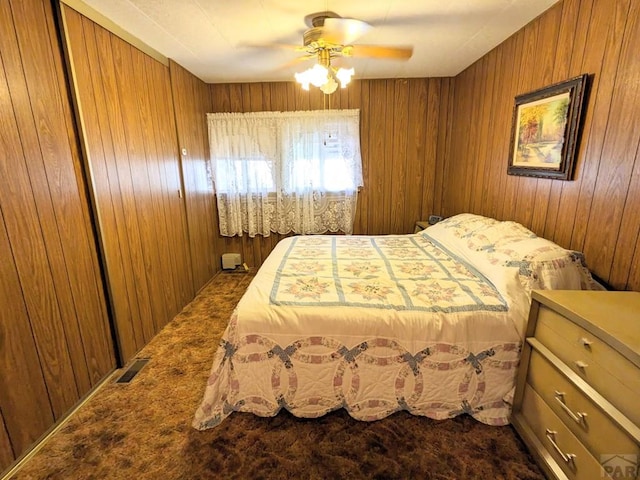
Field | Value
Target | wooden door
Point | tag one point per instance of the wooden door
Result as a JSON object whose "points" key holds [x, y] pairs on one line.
{"points": [[124, 103], [55, 338]]}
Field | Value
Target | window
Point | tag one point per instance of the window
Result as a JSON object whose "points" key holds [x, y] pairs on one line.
{"points": [[248, 175], [286, 171], [320, 161]]}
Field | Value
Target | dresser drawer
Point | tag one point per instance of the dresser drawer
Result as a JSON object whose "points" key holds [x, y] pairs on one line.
{"points": [[612, 375], [549, 429], [582, 415]]}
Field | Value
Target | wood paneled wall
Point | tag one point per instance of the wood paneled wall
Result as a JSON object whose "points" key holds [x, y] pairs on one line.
{"points": [[402, 140], [424, 150], [55, 341], [6, 451], [192, 102], [597, 212], [125, 107]]}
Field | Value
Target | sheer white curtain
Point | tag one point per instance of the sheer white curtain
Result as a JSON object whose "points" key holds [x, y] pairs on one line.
{"points": [[286, 171], [244, 157]]}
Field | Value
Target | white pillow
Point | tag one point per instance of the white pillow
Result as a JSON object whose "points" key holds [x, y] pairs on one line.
{"points": [[493, 246]]}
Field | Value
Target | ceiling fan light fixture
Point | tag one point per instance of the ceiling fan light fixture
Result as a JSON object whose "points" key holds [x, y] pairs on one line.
{"points": [[326, 78], [331, 36]]}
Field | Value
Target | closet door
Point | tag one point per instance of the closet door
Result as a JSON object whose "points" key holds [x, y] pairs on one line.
{"points": [[6, 452], [55, 338], [124, 104], [24, 401]]}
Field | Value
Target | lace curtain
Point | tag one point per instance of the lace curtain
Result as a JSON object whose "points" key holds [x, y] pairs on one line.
{"points": [[286, 171]]}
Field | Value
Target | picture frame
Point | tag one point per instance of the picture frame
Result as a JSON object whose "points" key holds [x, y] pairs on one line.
{"points": [[545, 130]]}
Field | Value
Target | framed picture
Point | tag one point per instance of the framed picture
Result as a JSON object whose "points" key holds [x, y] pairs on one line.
{"points": [[546, 127]]}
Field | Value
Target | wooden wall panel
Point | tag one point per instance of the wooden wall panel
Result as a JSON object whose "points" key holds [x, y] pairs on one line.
{"points": [[125, 106], [401, 138], [494, 183], [471, 134], [20, 202], [443, 148], [576, 15], [420, 113], [609, 241], [397, 170], [361, 222], [86, 276], [599, 57], [597, 211], [6, 451], [55, 339], [73, 257], [378, 137], [23, 393], [133, 177], [182, 264], [482, 130], [502, 109], [548, 59], [104, 172], [192, 102]]}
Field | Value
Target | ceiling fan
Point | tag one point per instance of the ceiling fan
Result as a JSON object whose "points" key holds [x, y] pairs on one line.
{"points": [[331, 36], [330, 32]]}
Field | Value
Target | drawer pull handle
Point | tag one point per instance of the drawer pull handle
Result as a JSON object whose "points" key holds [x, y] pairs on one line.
{"points": [[581, 365], [586, 343], [578, 417], [568, 458]]}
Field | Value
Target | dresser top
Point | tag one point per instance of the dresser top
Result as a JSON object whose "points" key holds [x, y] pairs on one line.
{"points": [[612, 316]]}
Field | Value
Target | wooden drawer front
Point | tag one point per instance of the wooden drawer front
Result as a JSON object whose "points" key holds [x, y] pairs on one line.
{"points": [[542, 420], [615, 377], [596, 430]]}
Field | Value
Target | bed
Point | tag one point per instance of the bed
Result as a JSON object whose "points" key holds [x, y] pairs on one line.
{"points": [[431, 323]]}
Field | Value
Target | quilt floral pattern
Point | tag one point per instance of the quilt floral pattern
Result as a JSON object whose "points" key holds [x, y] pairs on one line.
{"points": [[394, 272]]}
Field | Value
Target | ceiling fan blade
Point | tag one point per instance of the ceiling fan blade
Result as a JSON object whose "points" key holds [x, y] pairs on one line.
{"points": [[298, 60], [279, 46], [378, 51], [343, 31]]}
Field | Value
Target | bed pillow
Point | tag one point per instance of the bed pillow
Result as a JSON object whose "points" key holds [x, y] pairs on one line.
{"points": [[502, 249]]}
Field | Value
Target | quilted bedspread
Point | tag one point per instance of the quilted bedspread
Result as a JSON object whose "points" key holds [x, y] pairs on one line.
{"points": [[398, 273], [369, 324]]}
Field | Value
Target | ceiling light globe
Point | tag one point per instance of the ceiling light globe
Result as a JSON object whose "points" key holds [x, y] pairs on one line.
{"points": [[330, 86], [318, 75], [303, 79], [344, 75]]}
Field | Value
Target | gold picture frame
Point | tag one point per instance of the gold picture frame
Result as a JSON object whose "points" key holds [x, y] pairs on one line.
{"points": [[545, 131]]}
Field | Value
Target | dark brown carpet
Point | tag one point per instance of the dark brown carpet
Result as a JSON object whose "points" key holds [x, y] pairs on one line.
{"points": [[142, 430]]}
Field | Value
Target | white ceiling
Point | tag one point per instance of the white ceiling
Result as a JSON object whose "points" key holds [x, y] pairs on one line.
{"points": [[211, 38]]}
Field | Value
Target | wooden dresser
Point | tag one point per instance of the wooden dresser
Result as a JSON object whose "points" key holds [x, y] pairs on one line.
{"points": [[577, 402]]}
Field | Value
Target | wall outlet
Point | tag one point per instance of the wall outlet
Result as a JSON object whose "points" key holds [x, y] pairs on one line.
{"points": [[433, 219]]}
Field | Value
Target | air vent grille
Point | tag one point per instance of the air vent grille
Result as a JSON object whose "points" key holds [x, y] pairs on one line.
{"points": [[133, 370]]}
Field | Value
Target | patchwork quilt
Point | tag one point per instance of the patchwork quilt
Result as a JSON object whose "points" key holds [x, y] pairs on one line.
{"points": [[430, 323], [399, 273], [373, 325]]}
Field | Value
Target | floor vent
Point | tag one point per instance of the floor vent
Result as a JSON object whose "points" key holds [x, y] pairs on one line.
{"points": [[133, 370]]}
